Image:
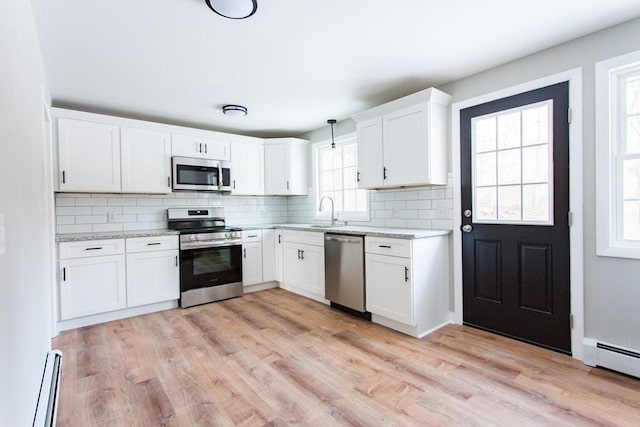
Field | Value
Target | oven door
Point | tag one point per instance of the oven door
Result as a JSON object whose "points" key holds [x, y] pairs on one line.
{"points": [[196, 174], [211, 266]]}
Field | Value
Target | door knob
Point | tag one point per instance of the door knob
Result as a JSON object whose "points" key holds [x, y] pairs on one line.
{"points": [[467, 228], [467, 213]]}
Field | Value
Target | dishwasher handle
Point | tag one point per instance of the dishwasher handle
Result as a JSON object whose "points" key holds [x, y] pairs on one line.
{"points": [[342, 239]]}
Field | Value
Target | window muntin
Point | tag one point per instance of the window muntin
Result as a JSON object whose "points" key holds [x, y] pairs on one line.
{"points": [[337, 173], [513, 166]]}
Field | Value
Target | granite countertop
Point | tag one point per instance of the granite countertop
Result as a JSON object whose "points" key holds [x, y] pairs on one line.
{"points": [[398, 233], [75, 237]]}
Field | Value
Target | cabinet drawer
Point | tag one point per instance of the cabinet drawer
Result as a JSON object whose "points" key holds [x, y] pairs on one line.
{"points": [[251, 236], [387, 246], [307, 237], [91, 248], [148, 244]]}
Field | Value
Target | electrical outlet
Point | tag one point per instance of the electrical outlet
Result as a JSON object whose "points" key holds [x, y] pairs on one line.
{"points": [[111, 217]]}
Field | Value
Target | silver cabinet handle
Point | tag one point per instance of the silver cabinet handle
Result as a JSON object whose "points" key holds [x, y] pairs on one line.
{"points": [[200, 147], [279, 238], [406, 274], [252, 235], [467, 228], [384, 173], [64, 177], [205, 148], [64, 274], [176, 260], [169, 182], [302, 254], [384, 246], [97, 248], [244, 253], [298, 253], [287, 184]]}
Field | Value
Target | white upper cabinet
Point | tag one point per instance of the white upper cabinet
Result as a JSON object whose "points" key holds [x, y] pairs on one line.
{"points": [[200, 146], [88, 156], [146, 161], [286, 166], [404, 142], [247, 171]]}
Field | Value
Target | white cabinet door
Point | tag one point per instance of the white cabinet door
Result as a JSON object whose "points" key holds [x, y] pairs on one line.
{"points": [[92, 285], [268, 255], [370, 165], [389, 288], [152, 277], [198, 146], [279, 254], [247, 171], [286, 166], [88, 156], [276, 169], [146, 161], [406, 146], [186, 145], [251, 263], [216, 149], [303, 267]]}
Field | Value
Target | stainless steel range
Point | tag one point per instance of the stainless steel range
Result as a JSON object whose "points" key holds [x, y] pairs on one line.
{"points": [[210, 255]]}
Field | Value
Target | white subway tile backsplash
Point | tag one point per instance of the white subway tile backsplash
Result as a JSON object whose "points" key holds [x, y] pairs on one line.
{"points": [[64, 210], [91, 201], [114, 201], [91, 219], [82, 228], [107, 227], [135, 209], [423, 207]]}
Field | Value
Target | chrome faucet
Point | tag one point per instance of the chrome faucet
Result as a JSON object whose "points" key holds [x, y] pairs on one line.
{"points": [[333, 220]]}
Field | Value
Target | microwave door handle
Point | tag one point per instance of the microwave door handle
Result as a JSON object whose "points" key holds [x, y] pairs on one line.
{"points": [[220, 181]]}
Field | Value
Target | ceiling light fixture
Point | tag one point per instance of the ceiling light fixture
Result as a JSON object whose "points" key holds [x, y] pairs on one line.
{"points": [[333, 141], [234, 110], [233, 9]]}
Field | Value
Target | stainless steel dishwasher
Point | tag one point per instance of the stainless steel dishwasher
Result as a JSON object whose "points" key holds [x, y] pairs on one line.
{"points": [[344, 273]]}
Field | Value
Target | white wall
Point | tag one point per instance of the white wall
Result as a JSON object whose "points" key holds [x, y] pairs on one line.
{"points": [[25, 279], [612, 286]]}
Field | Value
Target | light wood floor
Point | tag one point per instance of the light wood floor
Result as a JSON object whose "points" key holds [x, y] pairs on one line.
{"points": [[275, 358]]}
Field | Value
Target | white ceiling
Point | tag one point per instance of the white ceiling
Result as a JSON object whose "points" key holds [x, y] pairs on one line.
{"points": [[295, 63]]}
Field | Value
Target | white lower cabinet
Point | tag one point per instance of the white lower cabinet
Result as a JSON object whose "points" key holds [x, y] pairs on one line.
{"points": [[92, 282], [153, 274], [101, 276], [407, 283], [251, 257], [389, 288], [303, 263]]}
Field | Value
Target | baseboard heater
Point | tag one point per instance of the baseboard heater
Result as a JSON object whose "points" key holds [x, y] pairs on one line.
{"points": [[611, 356], [47, 407]]}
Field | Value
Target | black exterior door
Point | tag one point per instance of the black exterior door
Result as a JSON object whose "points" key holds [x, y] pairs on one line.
{"points": [[515, 203]]}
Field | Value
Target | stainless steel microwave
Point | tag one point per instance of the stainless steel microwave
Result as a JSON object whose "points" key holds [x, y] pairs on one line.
{"points": [[194, 174]]}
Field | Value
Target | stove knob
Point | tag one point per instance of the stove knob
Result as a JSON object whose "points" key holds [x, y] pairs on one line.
{"points": [[193, 237], [227, 235]]}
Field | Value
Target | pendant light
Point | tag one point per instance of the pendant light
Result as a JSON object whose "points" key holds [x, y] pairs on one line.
{"points": [[333, 141], [233, 9]]}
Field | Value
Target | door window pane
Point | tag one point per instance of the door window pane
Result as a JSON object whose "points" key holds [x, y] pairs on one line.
{"points": [[535, 164], [485, 204], [535, 126], [509, 167], [512, 164], [535, 202], [485, 169], [485, 135], [509, 130], [509, 203]]}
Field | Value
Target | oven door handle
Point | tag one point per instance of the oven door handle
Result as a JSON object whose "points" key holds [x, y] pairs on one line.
{"points": [[209, 244]]}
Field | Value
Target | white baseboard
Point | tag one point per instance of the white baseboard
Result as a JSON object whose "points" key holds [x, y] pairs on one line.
{"points": [[610, 356], [260, 287], [64, 325]]}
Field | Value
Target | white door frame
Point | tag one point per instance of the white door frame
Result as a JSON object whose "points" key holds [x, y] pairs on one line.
{"points": [[574, 77]]}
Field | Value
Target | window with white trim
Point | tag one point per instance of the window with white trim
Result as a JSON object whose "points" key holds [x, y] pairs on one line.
{"points": [[336, 176], [618, 156]]}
